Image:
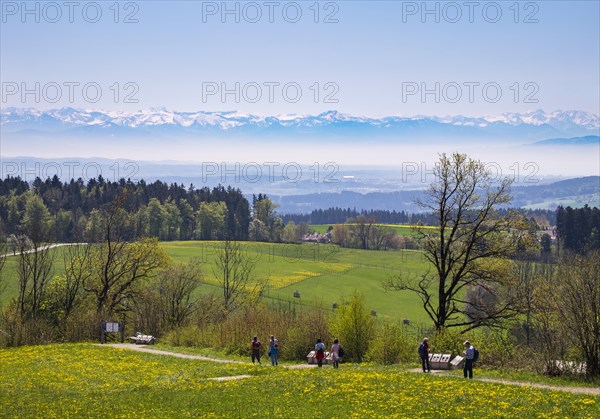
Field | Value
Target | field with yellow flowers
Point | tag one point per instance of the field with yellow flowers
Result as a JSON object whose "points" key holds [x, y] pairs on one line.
{"points": [[84, 380]]}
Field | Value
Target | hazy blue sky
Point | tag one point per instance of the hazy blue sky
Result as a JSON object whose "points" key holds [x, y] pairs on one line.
{"points": [[376, 50]]}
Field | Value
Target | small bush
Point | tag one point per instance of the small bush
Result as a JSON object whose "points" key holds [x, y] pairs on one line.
{"points": [[392, 345]]}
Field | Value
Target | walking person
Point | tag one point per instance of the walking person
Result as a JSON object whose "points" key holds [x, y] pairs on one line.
{"points": [[469, 353], [336, 353], [255, 348], [274, 350], [274, 355], [320, 349], [424, 354], [272, 341]]}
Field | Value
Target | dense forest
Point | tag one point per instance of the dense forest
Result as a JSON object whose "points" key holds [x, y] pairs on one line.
{"points": [[335, 215], [578, 229], [71, 212], [169, 212]]}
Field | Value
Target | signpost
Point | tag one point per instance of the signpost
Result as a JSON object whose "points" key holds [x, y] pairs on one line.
{"points": [[111, 327]]}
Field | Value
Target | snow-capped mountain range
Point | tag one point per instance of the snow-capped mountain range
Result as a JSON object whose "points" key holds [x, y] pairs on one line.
{"points": [[535, 124]]}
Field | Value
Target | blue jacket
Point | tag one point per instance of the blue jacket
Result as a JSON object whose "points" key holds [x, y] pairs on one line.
{"points": [[470, 352]]}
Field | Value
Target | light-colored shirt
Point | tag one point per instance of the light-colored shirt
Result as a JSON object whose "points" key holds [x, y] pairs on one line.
{"points": [[320, 345]]}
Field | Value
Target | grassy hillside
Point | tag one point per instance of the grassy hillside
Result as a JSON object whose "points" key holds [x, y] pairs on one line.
{"points": [[323, 274], [9, 282], [82, 380]]}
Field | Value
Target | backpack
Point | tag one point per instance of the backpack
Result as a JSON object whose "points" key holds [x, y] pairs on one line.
{"points": [[475, 354], [340, 352], [422, 349]]}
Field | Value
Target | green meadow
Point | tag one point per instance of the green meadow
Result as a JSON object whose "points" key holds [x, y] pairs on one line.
{"points": [[323, 274], [84, 380]]}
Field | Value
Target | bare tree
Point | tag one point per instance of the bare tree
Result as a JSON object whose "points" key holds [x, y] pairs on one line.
{"points": [[175, 287], [234, 272], [78, 269], [361, 229], [33, 268], [466, 250], [579, 306], [118, 265]]}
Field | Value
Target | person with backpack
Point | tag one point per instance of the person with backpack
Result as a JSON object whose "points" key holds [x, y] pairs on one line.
{"points": [[320, 350], [255, 349], [336, 353], [424, 354], [471, 355]]}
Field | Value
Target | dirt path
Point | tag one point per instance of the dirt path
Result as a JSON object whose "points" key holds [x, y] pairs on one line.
{"points": [[229, 378], [577, 390], [132, 347], [42, 248], [141, 348]]}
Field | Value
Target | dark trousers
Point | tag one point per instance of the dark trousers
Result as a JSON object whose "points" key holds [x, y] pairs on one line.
{"points": [[468, 368], [255, 355], [425, 363]]}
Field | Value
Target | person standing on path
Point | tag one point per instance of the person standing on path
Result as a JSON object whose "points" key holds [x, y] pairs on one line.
{"points": [[274, 355], [424, 354], [273, 350], [335, 353], [272, 341], [469, 359], [320, 349], [255, 347]]}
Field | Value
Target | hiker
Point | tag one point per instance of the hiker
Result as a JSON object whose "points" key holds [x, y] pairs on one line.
{"points": [[274, 355], [255, 344], [272, 341], [336, 353], [424, 354], [469, 353], [320, 348]]}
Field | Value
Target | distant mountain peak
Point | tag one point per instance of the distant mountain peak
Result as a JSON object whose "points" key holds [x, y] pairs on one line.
{"points": [[535, 124]]}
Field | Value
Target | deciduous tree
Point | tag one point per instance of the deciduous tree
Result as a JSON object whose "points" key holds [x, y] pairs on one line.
{"points": [[234, 272], [578, 300], [466, 251]]}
